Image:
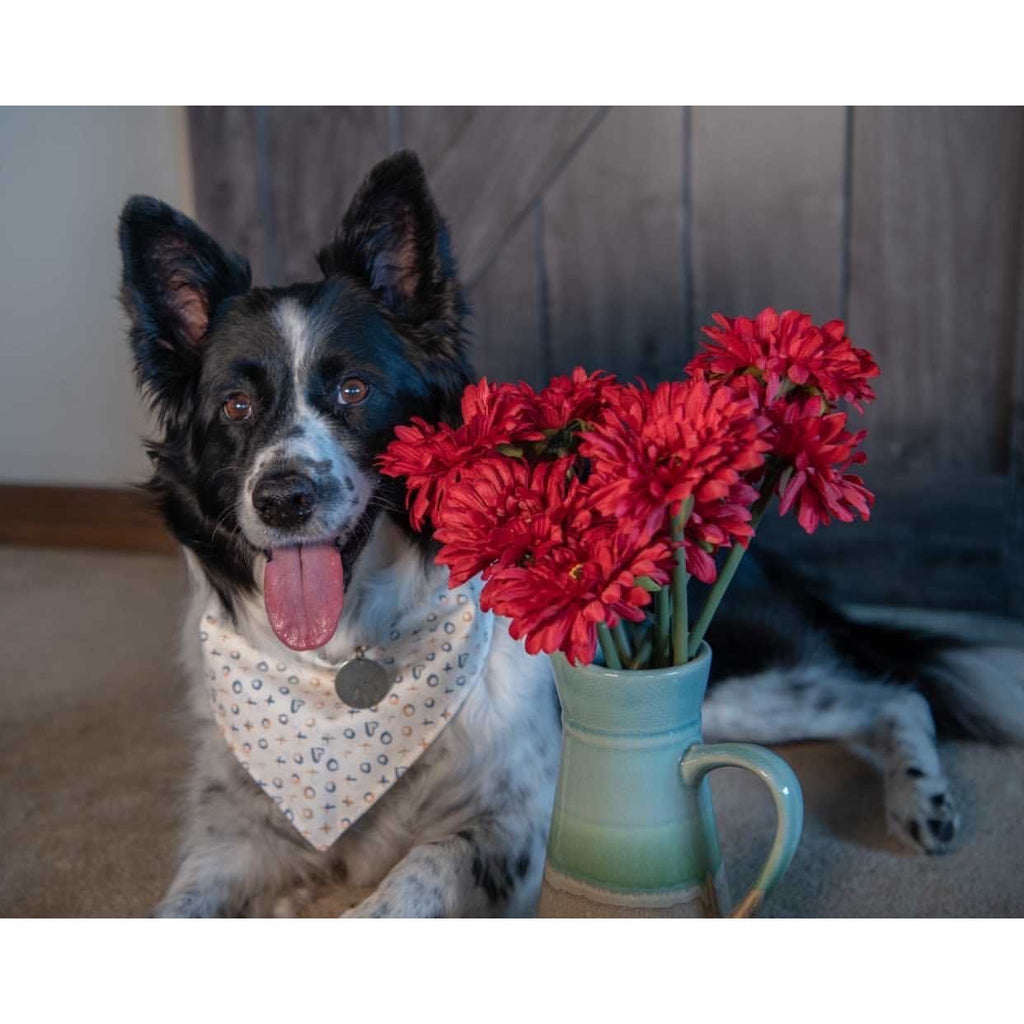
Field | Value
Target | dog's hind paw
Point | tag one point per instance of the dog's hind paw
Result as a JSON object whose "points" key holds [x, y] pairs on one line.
{"points": [[921, 812]]}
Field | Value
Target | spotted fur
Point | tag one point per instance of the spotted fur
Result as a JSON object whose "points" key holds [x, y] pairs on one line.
{"points": [[461, 834], [790, 666]]}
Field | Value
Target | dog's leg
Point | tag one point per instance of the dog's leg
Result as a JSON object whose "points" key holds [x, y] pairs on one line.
{"points": [[241, 857], [824, 702], [490, 869]]}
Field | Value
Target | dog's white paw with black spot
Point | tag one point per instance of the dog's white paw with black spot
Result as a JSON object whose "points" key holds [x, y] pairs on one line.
{"points": [[920, 810]]}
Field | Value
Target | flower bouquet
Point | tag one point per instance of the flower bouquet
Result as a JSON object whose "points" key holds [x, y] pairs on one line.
{"points": [[589, 504], [585, 507]]}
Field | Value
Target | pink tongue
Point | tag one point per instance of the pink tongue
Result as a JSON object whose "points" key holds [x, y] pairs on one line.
{"points": [[304, 589]]}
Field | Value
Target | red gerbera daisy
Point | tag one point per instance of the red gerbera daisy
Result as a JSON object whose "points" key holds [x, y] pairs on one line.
{"points": [[502, 514], [557, 602], [578, 397], [654, 449], [819, 448], [775, 351], [433, 457], [715, 524]]}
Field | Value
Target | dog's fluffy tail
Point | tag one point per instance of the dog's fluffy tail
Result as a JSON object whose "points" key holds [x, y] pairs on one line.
{"points": [[975, 689]]}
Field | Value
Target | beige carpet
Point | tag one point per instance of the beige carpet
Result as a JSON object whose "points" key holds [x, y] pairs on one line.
{"points": [[91, 755]]}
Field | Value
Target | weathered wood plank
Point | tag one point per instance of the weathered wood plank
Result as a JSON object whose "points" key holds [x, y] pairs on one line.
{"points": [[226, 163], [82, 517], [432, 131], [613, 248], [507, 318], [318, 157], [488, 178], [933, 280], [767, 196]]}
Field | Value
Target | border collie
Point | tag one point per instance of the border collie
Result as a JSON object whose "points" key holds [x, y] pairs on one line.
{"points": [[273, 404]]}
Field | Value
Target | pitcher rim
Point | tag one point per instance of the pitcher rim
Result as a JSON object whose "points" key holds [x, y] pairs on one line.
{"points": [[643, 674]]}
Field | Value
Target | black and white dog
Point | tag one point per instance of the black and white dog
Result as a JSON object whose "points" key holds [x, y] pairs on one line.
{"points": [[273, 404]]}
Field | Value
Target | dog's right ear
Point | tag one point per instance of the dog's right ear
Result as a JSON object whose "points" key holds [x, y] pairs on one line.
{"points": [[393, 238], [174, 278]]}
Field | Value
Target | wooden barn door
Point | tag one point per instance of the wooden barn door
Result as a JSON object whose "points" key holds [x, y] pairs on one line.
{"points": [[607, 236]]}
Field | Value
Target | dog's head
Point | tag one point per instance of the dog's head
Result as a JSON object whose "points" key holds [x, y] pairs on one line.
{"points": [[274, 402]]}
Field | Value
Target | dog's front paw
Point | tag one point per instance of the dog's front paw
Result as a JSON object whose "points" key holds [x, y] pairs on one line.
{"points": [[403, 896], [216, 901], [921, 812], [370, 908]]}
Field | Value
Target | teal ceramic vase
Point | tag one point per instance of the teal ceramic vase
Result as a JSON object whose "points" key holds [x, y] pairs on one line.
{"points": [[633, 830]]}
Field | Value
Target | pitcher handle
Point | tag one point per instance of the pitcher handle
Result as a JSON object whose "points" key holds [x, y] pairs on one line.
{"points": [[702, 758]]}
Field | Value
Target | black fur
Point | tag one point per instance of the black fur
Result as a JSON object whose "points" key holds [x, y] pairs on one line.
{"points": [[171, 264], [391, 302], [777, 617], [394, 238]]}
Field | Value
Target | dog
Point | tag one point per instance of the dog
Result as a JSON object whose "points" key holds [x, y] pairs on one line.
{"points": [[272, 406]]}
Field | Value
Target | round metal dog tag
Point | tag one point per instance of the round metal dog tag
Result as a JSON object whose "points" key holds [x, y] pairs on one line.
{"points": [[361, 682]]}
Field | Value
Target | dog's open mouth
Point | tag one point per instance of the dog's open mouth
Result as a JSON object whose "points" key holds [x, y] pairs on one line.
{"points": [[304, 590]]}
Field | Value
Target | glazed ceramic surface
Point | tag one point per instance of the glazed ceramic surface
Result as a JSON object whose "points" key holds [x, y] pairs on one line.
{"points": [[633, 830]]}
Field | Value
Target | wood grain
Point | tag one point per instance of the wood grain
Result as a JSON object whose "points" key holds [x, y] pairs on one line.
{"points": [[506, 319], [934, 252], [488, 178], [766, 194], [613, 248], [318, 158], [431, 131], [82, 517], [226, 165]]}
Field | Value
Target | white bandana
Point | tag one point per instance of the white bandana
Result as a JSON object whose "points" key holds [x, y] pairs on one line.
{"points": [[325, 763]]}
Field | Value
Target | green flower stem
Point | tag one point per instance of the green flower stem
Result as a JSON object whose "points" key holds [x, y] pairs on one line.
{"points": [[680, 577], [637, 631], [622, 643], [730, 565], [664, 620], [643, 653], [611, 655]]}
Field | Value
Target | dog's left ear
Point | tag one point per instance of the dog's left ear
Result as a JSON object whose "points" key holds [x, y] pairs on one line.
{"points": [[394, 239]]}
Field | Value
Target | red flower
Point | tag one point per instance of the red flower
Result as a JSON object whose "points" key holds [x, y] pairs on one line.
{"points": [[494, 411], [562, 499], [718, 523], [580, 396], [425, 455], [819, 449], [431, 458], [776, 350], [502, 513], [654, 449], [558, 600]]}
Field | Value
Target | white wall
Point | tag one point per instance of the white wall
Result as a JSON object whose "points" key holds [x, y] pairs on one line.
{"points": [[69, 412]]}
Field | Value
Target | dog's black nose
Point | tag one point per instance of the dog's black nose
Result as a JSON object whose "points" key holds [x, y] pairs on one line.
{"points": [[284, 499]]}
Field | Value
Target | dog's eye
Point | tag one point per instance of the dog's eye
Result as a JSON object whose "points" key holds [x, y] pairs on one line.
{"points": [[352, 390], [238, 407]]}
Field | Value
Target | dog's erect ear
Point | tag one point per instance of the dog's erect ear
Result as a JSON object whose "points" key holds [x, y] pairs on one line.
{"points": [[173, 279], [394, 239]]}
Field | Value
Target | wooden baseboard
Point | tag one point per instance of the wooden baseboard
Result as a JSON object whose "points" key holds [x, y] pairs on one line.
{"points": [[119, 519]]}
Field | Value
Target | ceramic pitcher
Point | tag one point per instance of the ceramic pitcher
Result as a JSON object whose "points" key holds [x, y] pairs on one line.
{"points": [[633, 830]]}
